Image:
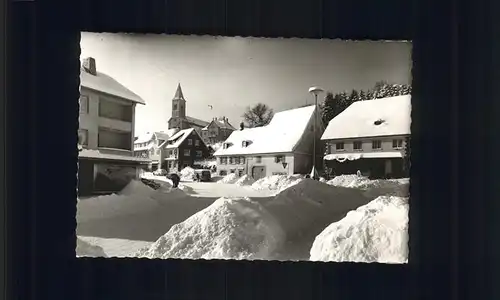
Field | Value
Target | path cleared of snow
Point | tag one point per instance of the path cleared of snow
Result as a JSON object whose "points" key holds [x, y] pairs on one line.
{"points": [[230, 228], [86, 249], [217, 190], [376, 232]]}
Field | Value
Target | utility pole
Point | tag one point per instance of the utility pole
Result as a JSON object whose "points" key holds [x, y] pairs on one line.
{"points": [[315, 91]]}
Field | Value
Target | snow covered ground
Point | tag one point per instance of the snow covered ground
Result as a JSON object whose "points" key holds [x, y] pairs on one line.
{"points": [[376, 232], [279, 217]]}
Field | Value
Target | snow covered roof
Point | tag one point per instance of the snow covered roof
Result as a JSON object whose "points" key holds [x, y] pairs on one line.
{"points": [[222, 123], [160, 135], [107, 84], [371, 118], [197, 122], [281, 135], [144, 138], [177, 139], [96, 154]]}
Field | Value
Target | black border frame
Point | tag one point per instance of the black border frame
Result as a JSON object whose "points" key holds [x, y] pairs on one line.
{"points": [[452, 64]]}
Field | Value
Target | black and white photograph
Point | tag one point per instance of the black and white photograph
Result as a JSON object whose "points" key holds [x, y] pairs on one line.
{"points": [[212, 147]]}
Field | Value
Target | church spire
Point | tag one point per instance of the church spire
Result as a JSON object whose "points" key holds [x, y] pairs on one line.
{"points": [[178, 93]]}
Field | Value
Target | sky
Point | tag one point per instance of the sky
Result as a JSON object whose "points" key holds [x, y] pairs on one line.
{"points": [[231, 74]]}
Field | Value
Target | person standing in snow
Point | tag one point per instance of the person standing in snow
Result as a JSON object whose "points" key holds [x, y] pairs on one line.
{"points": [[175, 179], [358, 173]]}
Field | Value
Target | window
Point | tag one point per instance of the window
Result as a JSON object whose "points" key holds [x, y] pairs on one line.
{"points": [[187, 152], [279, 159], [197, 143], [175, 106], [114, 110], [199, 153], [84, 104], [175, 152], [169, 164], [157, 151], [258, 159], [83, 136], [237, 160], [232, 171], [226, 145], [376, 144], [222, 172], [152, 152], [231, 161], [358, 145], [223, 160], [397, 144], [339, 146], [240, 172], [108, 138], [190, 142], [242, 160]]}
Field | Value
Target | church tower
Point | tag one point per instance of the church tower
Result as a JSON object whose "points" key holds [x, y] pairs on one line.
{"points": [[178, 118], [179, 104]]}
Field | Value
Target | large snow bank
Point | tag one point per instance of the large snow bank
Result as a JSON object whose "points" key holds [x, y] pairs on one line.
{"points": [[376, 232], [229, 178], [187, 174], [85, 249], [245, 180], [277, 182], [373, 188], [312, 205], [230, 228], [135, 198]]}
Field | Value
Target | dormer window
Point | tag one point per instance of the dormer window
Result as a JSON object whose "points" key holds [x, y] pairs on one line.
{"points": [[379, 122], [245, 143], [226, 145]]}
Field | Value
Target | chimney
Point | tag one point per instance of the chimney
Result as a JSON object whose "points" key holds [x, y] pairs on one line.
{"points": [[89, 65], [242, 126]]}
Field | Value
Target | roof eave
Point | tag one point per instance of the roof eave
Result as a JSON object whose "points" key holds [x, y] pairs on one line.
{"points": [[139, 100]]}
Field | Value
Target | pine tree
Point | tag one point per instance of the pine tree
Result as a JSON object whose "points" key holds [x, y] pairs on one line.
{"points": [[362, 95], [328, 108], [353, 97]]}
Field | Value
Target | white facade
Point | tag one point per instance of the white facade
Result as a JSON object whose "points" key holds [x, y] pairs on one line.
{"points": [[285, 146], [91, 122]]}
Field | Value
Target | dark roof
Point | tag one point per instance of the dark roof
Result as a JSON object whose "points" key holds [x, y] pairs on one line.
{"points": [[106, 84], [178, 94], [197, 122]]}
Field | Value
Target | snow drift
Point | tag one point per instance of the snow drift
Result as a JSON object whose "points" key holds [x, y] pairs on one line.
{"points": [[245, 180], [229, 178], [135, 198], [277, 182], [187, 174], [85, 249], [230, 228], [312, 205], [373, 188], [375, 232]]}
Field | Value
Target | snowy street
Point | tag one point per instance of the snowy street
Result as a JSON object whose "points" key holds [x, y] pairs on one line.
{"points": [[203, 217]]}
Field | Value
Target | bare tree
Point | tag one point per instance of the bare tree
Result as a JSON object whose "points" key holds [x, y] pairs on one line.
{"points": [[258, 115]]}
